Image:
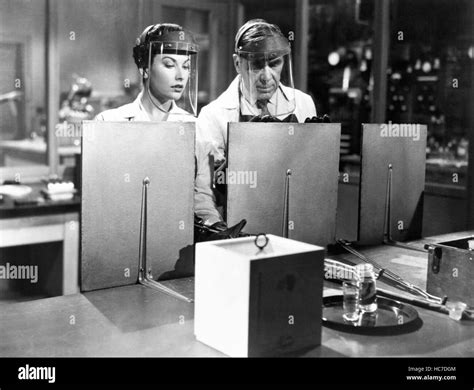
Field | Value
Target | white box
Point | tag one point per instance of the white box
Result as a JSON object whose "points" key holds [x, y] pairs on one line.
{"points": [[253, 302]]}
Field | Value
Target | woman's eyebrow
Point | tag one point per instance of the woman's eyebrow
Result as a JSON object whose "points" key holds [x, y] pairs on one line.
{"points": [[168, 58], [175, 61]]}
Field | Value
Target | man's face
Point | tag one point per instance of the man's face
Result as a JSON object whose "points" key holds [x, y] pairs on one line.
{"points": [[261, 76], [168, 76]]}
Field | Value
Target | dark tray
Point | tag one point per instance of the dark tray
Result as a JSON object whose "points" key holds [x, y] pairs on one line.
{"points": [[391, 317]]}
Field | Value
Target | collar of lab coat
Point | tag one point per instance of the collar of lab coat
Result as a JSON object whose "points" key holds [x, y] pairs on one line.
{"points": [[136, 111]]}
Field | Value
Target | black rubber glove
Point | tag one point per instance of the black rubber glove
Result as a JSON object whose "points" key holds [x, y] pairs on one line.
{"points": [[318, 119], [265, 118], [219, 226], [224, 232], [217, 231]]}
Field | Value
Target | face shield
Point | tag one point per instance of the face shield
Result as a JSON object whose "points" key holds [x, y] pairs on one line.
{"points": [[267, 78], [172, 69]]}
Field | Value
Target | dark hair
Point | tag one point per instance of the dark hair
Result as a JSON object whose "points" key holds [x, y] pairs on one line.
{"points": [[255, 30], [140, 51]]}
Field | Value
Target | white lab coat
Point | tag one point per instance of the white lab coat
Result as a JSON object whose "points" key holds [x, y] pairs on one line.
{"points": [[136, 112], [213, 118], [204, 200]]}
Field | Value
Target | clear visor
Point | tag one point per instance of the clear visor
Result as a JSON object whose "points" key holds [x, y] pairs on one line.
{"points": [[267, 84], [173, 76]]}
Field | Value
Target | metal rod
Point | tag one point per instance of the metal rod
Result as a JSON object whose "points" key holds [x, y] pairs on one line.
{"points": [[415, 301], [144, 275], [426, 304], [286, 206], [388, 201], [387, 234], [143, 231]]}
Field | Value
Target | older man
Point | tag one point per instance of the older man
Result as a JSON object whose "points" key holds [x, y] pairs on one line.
{"points": [[263, 88]]}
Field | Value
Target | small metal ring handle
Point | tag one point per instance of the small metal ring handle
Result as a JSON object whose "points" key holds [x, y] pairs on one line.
{"points": [[258, 241]]}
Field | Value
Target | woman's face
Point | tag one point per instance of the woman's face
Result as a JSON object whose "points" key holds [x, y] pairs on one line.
{"points": [[169, 76]]}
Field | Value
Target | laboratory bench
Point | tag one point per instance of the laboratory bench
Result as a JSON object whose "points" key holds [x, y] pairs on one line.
{"points": [[45, 222], [33, 151], [135, 321], [9, 209]]}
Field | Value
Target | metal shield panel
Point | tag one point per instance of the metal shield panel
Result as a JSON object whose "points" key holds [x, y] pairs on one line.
{"points": [[405, 149], [264, 152], [116, 157]]}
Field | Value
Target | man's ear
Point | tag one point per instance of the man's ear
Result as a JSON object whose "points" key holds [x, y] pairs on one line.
{"points": [[236, 59]]}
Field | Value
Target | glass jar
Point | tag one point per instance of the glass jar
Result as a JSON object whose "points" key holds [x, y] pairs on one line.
{"points": [[367, 288]]}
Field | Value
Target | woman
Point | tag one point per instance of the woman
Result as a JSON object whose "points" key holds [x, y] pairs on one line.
{"points": [[166, 57]]}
